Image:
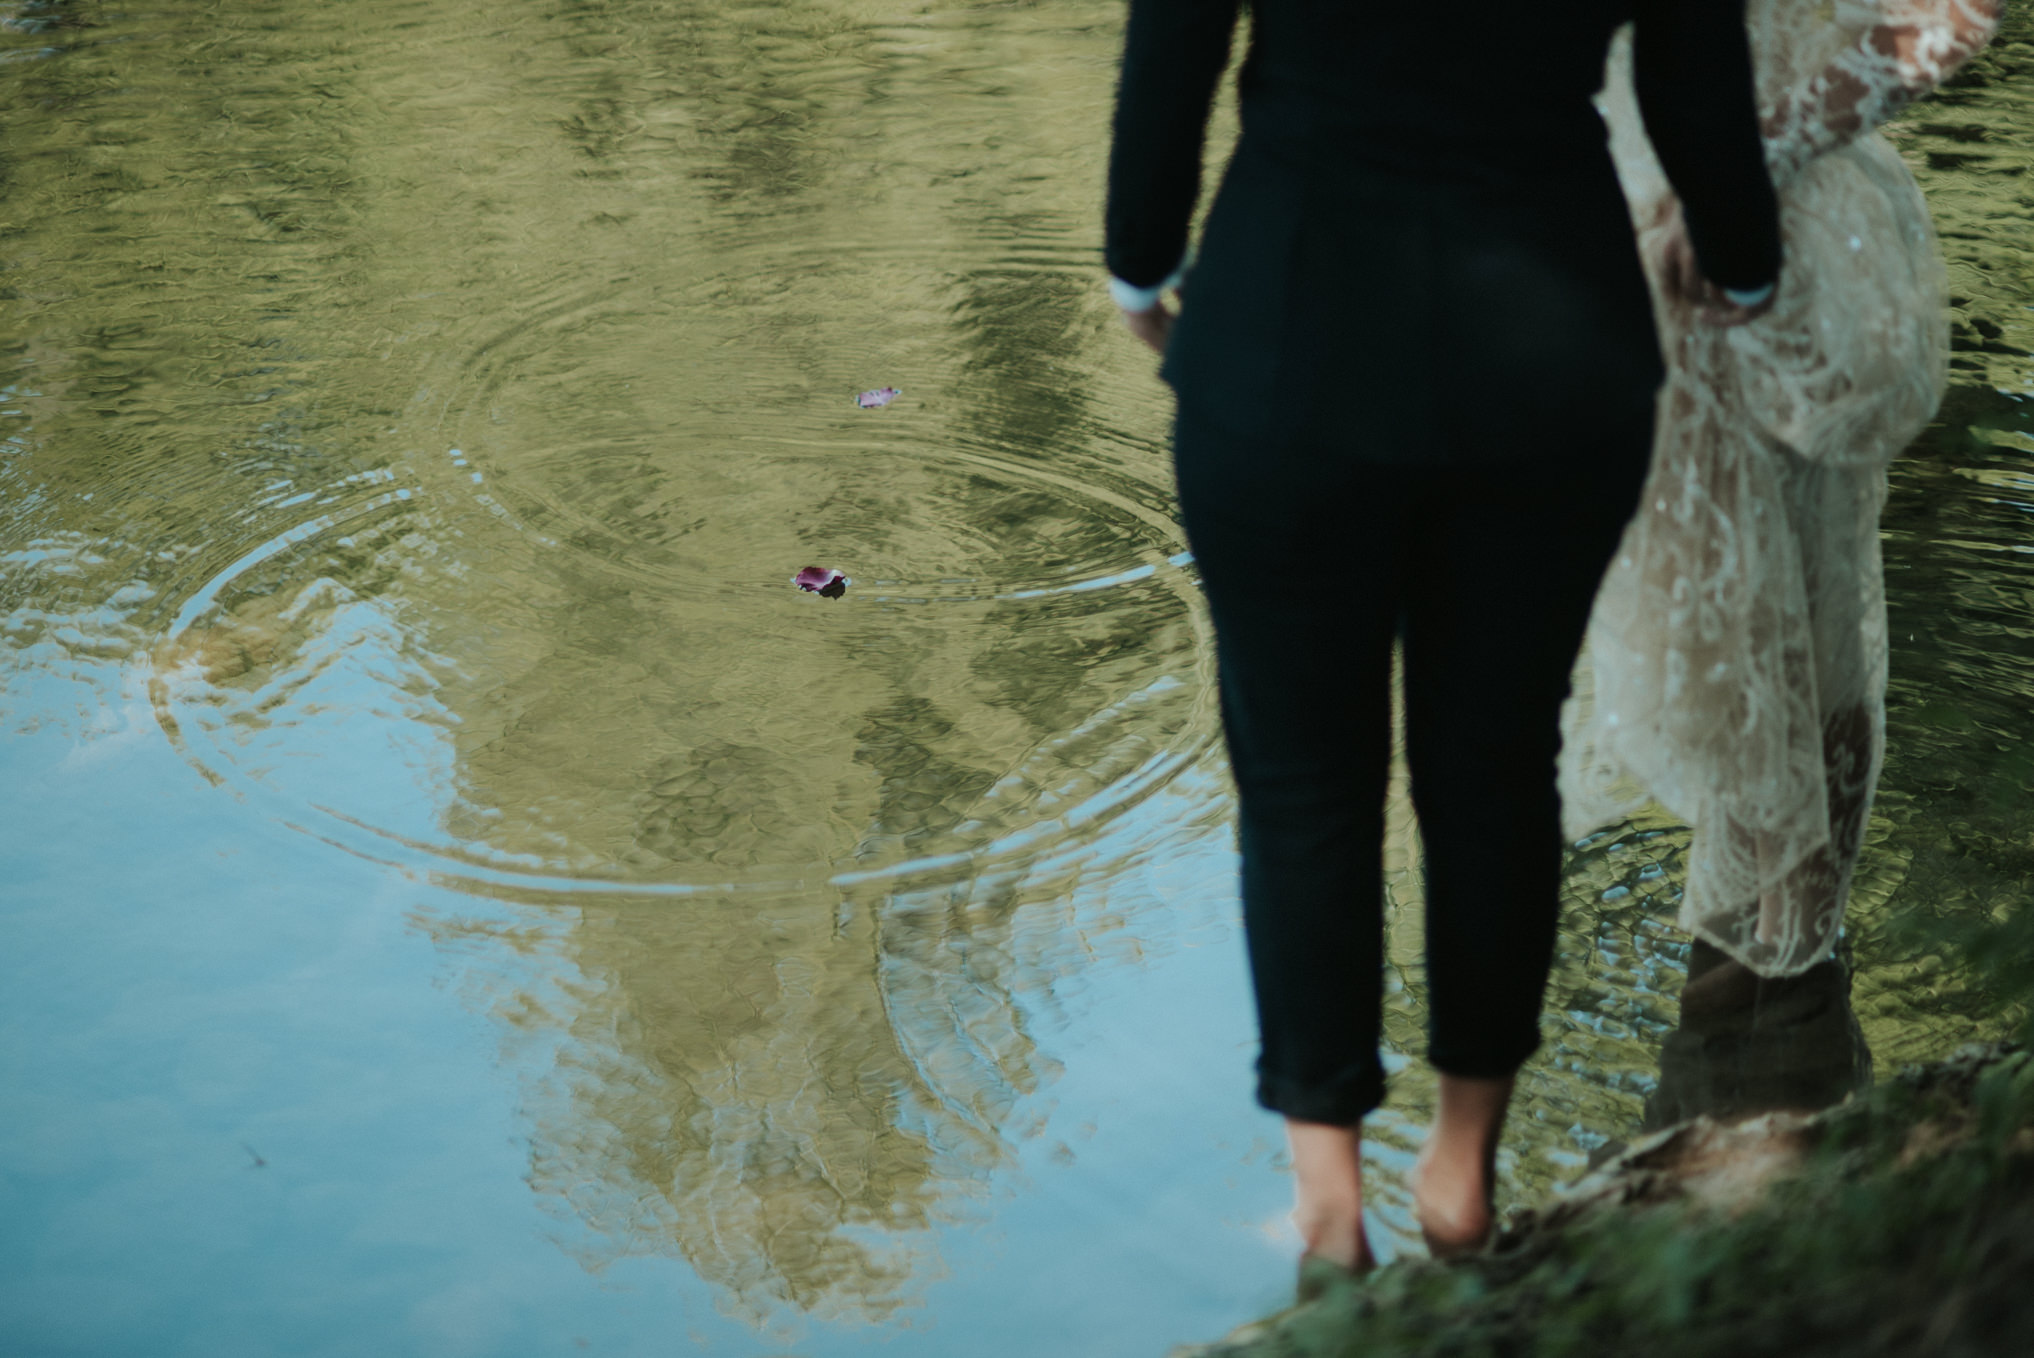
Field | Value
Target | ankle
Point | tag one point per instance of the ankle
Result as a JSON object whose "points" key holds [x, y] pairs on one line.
{"points": [[1334, 1233], [1327, 1164], [1469, 1114], [1457, 1177]]}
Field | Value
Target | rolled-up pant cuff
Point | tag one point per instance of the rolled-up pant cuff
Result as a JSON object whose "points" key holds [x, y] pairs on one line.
{"points": [[1341, 1100], [1486, 1064]]}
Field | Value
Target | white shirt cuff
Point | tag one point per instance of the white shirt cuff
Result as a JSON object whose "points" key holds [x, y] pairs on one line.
{"points": [[1133, 298], [1749, 297]]}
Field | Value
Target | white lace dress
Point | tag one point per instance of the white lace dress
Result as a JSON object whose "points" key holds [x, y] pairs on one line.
{"points": [[1736, 663]]}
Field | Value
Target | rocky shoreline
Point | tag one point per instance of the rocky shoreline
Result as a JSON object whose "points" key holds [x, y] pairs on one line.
{"points": [[1900, 1222]]}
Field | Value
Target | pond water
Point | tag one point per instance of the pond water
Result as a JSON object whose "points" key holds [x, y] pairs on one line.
{"points": [[461, 898]]}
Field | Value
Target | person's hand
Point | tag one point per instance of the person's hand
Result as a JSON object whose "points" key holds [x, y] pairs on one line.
{"points": [[1718, 309], [1674, 264], [1153, 326]]}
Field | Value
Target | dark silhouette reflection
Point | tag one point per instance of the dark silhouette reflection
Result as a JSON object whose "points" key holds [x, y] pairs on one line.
{"points": [[1748, 1045]]}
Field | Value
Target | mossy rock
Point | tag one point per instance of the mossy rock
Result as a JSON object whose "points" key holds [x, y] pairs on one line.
{"points": [[1902, 1223]]}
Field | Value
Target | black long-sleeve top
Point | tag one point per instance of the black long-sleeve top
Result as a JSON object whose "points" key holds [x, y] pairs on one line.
{"points": [[1474, 87]]}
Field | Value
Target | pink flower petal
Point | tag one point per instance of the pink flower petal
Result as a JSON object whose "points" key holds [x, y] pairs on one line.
{"points": [[881, 396], [823, 581]]}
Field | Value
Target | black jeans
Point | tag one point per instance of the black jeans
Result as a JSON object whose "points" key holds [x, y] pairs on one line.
{"points": [[1314, 562]]}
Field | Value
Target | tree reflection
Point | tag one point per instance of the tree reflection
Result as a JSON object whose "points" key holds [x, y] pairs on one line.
{"points": [[786, 1092], [466, 515]]}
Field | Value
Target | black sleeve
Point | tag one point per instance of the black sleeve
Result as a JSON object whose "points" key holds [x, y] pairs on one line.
{"points": [[1173, 54], [1691, 64]]}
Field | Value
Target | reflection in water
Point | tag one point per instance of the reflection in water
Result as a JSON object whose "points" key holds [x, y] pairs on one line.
{"points": [[786, 1105], [1749, 1045], [787, 1092], [434, 400], [439, 409]]}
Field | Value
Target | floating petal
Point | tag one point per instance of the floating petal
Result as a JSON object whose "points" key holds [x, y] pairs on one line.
{"points": [[823, 581]]}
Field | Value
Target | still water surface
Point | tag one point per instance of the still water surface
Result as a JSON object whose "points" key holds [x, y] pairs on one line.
{"points": [[461, 898]]}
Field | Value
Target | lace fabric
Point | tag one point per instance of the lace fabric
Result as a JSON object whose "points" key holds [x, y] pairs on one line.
{"points": [[1736, 661]]}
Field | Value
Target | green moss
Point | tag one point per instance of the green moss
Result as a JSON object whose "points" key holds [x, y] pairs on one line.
{"points": [[1908, 1229]]}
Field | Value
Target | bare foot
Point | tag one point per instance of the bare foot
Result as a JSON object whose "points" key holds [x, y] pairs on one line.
{"points": [[1456, 1176], [1327, 1165]]}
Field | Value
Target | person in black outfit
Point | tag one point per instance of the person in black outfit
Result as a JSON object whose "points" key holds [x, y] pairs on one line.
{"points": [[1415, 369]]}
